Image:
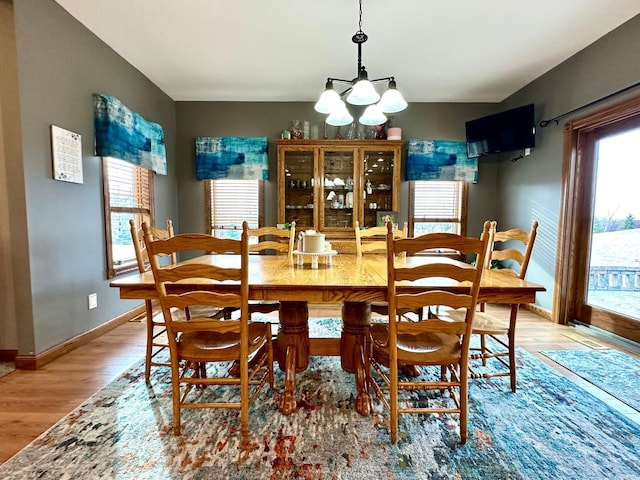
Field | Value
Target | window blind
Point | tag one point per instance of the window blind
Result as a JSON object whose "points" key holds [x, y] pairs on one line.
{"points": [[128, 185], [230, 202], [436, 201]]}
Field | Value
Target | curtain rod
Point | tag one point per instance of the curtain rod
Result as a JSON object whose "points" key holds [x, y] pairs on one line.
{"points": [[544, 123]]}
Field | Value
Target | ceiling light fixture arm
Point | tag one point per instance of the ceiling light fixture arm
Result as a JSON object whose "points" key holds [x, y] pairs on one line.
{"points": [[331, 80]]}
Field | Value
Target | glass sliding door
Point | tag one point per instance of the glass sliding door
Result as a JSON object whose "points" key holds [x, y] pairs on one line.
{"points": [[613, 282], [599, 252]]}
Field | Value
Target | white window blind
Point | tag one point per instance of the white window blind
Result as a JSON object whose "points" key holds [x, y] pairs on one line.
{"points": [[437, 206], [437, 201], [230, 202], [128, 185]]}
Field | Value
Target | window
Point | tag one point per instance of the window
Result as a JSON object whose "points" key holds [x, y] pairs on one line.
{"points": [[128, 193], [230, 202], [437, 206]]}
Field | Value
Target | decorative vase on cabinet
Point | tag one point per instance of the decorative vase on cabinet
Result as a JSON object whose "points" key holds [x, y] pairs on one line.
{"points": [[327, 185]]}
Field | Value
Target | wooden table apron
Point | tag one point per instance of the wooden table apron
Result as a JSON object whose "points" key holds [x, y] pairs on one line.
{"points": [[354, 282]]}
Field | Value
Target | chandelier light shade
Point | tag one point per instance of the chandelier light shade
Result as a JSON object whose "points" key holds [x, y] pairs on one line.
{"points": [[329, 100], [360, 91], [363, 92], [372, 116], [392, 100], [340, 116]]}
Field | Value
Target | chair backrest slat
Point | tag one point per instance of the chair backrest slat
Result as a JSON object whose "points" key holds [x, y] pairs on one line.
{"points": [[517, 259], [219, 278], [431, 271], [279, 240], [139, 246], [376, 241]]}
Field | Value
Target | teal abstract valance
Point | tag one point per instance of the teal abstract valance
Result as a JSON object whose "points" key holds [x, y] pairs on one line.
{"points": [[235, 158], [125, 135], [440, 160]]}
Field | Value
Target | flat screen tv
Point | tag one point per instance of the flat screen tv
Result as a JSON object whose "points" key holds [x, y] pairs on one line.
{"points": [[501, 132]]}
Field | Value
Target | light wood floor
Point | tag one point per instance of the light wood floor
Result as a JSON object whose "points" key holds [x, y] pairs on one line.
{"points": [[33, 401]]}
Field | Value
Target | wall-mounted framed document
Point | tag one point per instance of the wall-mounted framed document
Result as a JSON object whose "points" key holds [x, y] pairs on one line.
{"points": [[66, 151]]}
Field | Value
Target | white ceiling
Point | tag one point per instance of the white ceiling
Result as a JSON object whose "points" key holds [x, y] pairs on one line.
{"points": [[284, 50]]}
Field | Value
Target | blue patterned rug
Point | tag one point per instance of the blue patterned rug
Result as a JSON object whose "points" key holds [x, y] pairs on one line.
{"points": [[550, 429], [615, 372]]}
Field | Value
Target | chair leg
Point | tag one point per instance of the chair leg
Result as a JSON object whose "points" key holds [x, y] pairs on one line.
{"points": [[393, 417], [175, 393], [512, 345], [149, 351], [463, 403], [393, 394], [244, 399], [270, 361]]}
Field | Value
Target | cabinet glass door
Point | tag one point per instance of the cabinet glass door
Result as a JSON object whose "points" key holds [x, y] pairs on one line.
{"points": [[378, 186], [298, 188], [337, 190]]}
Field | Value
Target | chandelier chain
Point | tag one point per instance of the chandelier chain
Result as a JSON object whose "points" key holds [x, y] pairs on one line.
{"points": [[359, 37]]}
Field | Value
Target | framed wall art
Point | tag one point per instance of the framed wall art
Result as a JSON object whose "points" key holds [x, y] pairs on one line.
{"points": [[66, 151], [382, 217]]}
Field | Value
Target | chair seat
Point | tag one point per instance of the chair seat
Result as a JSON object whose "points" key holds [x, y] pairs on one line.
{"points": [[206, 346], [198, 311], [263, 307], [428, 348], [483, 323], [489, 325], [382, 308]]}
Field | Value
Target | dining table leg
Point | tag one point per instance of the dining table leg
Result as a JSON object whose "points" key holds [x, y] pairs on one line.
{"points": [[292, 349], [356, 319]]}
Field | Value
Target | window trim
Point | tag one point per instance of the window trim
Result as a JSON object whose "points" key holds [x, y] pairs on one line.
{"points": [[127, 267]]}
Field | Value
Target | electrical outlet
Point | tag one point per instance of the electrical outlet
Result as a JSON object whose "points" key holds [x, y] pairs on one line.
{"points": [[92, 300]]}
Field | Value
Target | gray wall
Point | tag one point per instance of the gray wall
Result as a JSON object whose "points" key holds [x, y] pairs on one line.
{"points": [[420, 120], [60, 64], [55, 229], [530, 189]]}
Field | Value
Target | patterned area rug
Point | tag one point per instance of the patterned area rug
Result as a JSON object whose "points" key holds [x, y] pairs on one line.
{"points": [[549, 429], [602, 368]]}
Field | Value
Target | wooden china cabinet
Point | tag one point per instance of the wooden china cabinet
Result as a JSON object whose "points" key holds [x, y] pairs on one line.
{"points": [[327, 185]]}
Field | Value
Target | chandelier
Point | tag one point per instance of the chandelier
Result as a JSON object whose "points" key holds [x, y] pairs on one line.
{"points": [[360, 92]]}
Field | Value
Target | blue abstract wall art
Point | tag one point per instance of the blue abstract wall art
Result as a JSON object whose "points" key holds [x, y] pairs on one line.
{"points": [[440, 160], [125, 135], [237, 158]]}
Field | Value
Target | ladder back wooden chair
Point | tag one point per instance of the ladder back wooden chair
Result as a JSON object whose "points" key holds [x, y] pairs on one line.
{"points": [[514, 254], [432, 342], [156, 333], [264, 241], [373, 240], [200, 341]]}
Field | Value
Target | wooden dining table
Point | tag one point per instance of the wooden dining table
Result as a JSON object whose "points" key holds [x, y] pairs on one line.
{"points": [[349, 280]]}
